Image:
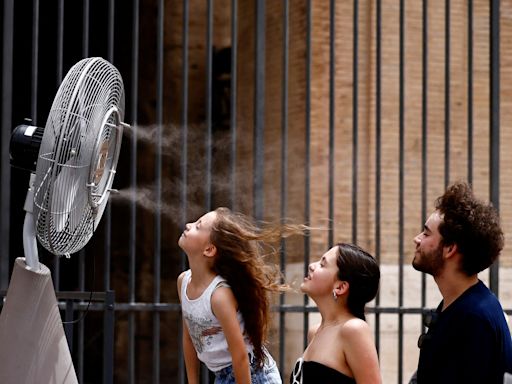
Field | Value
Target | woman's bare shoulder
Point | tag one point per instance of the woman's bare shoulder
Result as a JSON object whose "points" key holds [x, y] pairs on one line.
{"points": [[354, 327]]}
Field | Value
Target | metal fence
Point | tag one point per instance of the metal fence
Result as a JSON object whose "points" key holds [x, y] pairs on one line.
{"points": [[41, 40]]}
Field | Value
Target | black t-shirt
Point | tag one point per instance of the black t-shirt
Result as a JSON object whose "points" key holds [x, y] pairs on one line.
{"points": [[468, 342]]}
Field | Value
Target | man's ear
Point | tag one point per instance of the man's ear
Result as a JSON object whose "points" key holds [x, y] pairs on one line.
{"points": [[210, 250], [451, 250]]}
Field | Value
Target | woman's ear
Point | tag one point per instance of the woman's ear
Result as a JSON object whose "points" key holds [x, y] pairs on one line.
{"points": [[341, 287], [210, 250]]}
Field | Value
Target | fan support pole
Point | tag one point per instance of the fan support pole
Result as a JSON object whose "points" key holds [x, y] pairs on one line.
{"points": [[29, 234]]}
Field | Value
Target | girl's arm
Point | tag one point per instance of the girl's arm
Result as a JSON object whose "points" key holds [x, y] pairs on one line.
{"points": [[190, 355], [360, 352], [189, 352], [224, 308]]}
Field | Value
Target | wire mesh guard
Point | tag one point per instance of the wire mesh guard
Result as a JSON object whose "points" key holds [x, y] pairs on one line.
{"points": [[78, 155]]}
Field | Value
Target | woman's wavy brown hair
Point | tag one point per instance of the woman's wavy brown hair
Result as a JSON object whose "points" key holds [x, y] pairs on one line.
{"points": [[241, 247]]}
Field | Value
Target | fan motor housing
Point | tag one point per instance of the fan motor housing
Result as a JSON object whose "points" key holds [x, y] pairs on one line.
{"points": [[24, 146]]}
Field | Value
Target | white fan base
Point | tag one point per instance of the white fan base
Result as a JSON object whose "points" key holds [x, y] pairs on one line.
{"points": [[33, 347]]}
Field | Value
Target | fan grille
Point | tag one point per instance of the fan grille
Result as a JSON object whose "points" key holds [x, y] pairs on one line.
{"points": [[89, 105]]}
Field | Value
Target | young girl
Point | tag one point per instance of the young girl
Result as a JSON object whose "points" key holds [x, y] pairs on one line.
{"points": [[341, 349], [224, 297]]}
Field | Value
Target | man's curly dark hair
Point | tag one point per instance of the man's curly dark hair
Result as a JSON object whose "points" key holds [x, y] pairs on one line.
{"points": [[472, 225]]}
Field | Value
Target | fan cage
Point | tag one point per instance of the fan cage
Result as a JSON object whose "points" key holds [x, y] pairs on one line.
{"points": [[80, 119]]}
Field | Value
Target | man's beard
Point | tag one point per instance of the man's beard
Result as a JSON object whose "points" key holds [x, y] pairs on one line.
{"points": [[431, 262]]}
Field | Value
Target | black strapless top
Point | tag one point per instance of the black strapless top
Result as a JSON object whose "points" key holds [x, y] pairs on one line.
{"points": [[313, 372]]}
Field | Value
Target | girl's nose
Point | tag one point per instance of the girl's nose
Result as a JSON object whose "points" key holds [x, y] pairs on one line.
{"points": [[187, 226], [311, 267]]}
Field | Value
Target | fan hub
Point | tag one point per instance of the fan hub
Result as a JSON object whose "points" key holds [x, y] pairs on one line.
{"points": [[105, 153]]}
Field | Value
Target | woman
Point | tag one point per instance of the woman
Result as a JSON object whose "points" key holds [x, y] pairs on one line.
{"points": [[341, 348]]}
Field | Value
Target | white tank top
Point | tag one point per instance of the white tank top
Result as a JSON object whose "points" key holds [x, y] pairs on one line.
{"points": [[204, 328]]}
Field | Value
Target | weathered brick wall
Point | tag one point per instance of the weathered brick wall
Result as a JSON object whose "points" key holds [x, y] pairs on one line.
{"points": [[390, 118]]}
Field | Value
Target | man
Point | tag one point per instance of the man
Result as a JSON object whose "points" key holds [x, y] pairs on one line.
{"points": [[468, 339]]}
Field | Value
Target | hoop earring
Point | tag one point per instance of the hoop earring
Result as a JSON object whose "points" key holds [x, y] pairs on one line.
{"points": [[335, 297]]}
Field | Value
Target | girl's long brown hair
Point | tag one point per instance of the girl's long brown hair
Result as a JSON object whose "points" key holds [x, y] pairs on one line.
{"points": [[240, 244]]}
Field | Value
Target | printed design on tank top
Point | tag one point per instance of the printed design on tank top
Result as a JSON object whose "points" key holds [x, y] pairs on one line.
{"points": [[200, 330]]}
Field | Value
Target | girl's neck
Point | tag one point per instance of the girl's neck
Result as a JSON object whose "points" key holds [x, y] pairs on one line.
{"points": [[201, 272]]}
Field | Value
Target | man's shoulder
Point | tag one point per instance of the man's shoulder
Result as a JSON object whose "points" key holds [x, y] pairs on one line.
{"points": [[479, 308], [479, 301]]}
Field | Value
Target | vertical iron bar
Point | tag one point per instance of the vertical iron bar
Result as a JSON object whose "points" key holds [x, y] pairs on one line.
{"points": [[355, 121], [108, 364], [307, 161], [233, 115], [158, 190], [133, 184], [184, 120], [332, 111], [378, 121], [110, 36], [284, 170], [81, 253], [6, 121], [184, 146], [79, 366], [447, 94], [60, 42], [494, 156], [108, 211], [108, 338], [35, 59], [68, 326], [470, 92], [60, 75], [85, 29], [208, 171], [424, 138], [208, 144], [259, 109], [401, 192]]}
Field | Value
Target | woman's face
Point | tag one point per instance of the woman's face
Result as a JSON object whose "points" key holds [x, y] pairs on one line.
{"points": [[196, 236], [321, 275]]}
